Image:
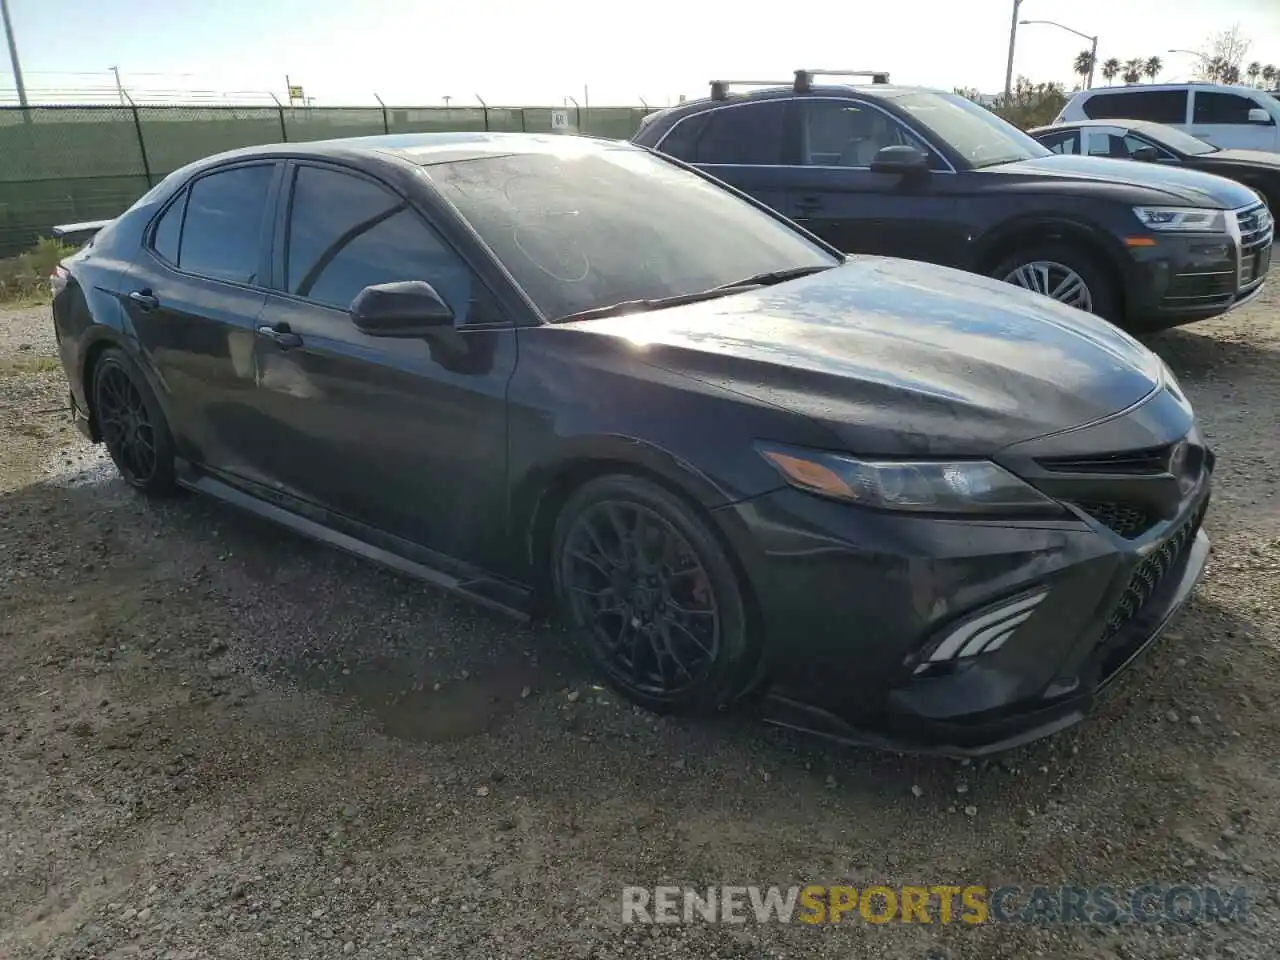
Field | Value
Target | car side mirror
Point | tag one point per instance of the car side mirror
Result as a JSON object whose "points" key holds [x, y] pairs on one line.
{"points": [[901, 160], [1258, 115], [410, 308], [1145, 154]]}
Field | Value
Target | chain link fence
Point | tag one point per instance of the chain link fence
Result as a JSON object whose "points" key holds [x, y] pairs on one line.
{"points": [[66, 164]]}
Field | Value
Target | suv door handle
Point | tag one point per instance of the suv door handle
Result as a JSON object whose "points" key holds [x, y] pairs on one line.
{"points": [[808, 204], [280, 335], [145, 299]]}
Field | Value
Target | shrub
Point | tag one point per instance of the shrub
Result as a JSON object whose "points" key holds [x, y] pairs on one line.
{"points": [[26, 276]]}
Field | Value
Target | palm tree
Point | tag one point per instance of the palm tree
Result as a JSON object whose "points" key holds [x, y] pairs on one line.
{"points": [[1152, 68], [1270, 74], [1253, 72], [1231, 73], [1083, 65], [1133, 70], [1110, 70]]}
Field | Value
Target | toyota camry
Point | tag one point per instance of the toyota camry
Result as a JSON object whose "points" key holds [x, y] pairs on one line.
{"points": [[903, 504]]}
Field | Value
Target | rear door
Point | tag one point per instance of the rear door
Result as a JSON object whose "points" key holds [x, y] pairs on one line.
{"points": [[407, 435], [747, 145], [1222, 119], [1171, 107], [193, 297], [835, 194]]}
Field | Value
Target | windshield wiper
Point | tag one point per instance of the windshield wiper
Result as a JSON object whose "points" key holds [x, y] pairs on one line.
{"points": [[659, 303], [774, 276]]}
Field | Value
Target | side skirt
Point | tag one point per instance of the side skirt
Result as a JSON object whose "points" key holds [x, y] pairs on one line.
{"points": [[513, 599]]}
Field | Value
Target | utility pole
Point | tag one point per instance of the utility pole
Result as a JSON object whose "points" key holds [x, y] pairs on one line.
{"points": [[119, 85], [1093, 63], [13, 54], [1013, 38]]}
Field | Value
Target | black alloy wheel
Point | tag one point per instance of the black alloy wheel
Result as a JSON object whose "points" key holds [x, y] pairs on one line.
{"points": [[650, 591], [132, 425]]}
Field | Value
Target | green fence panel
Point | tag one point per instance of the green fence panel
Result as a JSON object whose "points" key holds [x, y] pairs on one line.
{"points": [[328, 123]]}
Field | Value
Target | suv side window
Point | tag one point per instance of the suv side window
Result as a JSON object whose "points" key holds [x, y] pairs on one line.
{"points": [[1229, 108], [745, 134], [346, 233], [222, 231], [846, 133], [1157, 106]]}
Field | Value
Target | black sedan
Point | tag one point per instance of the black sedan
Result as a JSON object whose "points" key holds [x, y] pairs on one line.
{"points": [[913, 505], [1157, 143]]}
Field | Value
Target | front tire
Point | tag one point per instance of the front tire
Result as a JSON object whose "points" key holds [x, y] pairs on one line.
{"points": [[646, 587], [132, 425], [1064, 272]]}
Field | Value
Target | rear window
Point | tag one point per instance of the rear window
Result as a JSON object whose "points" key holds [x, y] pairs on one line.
{"points": [[1156, 106]]}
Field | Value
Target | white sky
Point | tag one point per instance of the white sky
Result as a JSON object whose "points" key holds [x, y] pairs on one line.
{"points": [[414, 52]]}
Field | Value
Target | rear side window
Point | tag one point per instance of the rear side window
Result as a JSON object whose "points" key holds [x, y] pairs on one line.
{"points": [[347, 233], [1157, 106], [168, 230], [222, 231], [1066, 142], [1229, 108], [748, 134]]}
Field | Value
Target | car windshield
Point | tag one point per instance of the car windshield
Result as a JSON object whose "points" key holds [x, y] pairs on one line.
{"points": [[973, 131], [1176, 140], [581, 228]]}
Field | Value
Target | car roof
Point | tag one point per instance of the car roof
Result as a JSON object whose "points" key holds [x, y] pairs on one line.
{"points": [[425, 149], [1126, 124], [1190, 85], [873, 91]]}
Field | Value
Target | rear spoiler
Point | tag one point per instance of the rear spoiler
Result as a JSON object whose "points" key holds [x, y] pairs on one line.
{"points": [[79, 232]]}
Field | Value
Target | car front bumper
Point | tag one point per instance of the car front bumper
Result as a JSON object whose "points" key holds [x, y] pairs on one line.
{"points": [[854, 607], [1185, 277]]}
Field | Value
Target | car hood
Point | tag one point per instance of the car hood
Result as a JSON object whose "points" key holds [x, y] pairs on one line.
{"points": [[1251, 158], [901, 358], [1180, 185]]}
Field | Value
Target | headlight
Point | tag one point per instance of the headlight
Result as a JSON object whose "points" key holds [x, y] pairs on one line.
{"points": [[1182, 219], [922, 486]]}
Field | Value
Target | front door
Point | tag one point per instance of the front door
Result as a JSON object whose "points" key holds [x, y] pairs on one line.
{"points": [[193, 297], [405, 435], [835, 193]]}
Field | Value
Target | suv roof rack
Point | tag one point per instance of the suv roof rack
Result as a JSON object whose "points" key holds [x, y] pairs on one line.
{"points": [[804, 78], [720, 88]]}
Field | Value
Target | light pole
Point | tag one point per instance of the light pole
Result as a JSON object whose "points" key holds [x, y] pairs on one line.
{"points": [[1013, 38], [1093, 49], [13, 54], [1191, 53]]}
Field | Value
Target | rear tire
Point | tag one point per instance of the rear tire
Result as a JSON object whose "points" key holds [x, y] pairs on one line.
{"points": [[1066, 272], [132, 425], [646, 587]]}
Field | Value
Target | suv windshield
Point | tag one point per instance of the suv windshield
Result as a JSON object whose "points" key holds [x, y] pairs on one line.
{"points": [[972, 131], [584, 228]]}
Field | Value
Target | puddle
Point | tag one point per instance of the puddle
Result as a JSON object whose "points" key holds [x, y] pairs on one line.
{"points": [[403, 698]]}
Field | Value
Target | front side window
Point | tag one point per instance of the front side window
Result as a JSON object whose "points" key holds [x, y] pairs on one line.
{"points": [[1154, 106], [589, 226], [846, 133], [748, 134], [222, 230], [347, 233], [1223, 108]]}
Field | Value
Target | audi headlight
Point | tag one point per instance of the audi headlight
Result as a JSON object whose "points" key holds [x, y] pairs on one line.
{"points": [[1182, 219], [921, 486]]}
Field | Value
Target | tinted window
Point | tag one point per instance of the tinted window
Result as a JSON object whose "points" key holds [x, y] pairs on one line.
{"points": [[1222, 108], [347, 233], [165, 238], [1157, 106], [222, 232], [582, 227], [845, 133], [1068, 142], [972, 131], [748, 134]]}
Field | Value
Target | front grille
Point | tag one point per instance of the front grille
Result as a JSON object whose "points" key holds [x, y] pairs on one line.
{"points": [[1257, 229], [1145, 462], [1151, 573], [1126, 519]]}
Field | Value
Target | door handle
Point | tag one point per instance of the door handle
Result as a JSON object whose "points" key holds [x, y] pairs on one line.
{"points": [[145, 299], [280, 335], [808, 204]]}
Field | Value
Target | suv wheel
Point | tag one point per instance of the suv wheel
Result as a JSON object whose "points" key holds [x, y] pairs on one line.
{"points": [[1064, 273]]}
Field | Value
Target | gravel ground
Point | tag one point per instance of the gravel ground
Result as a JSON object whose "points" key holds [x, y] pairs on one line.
{"points": [[219, 740]]}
